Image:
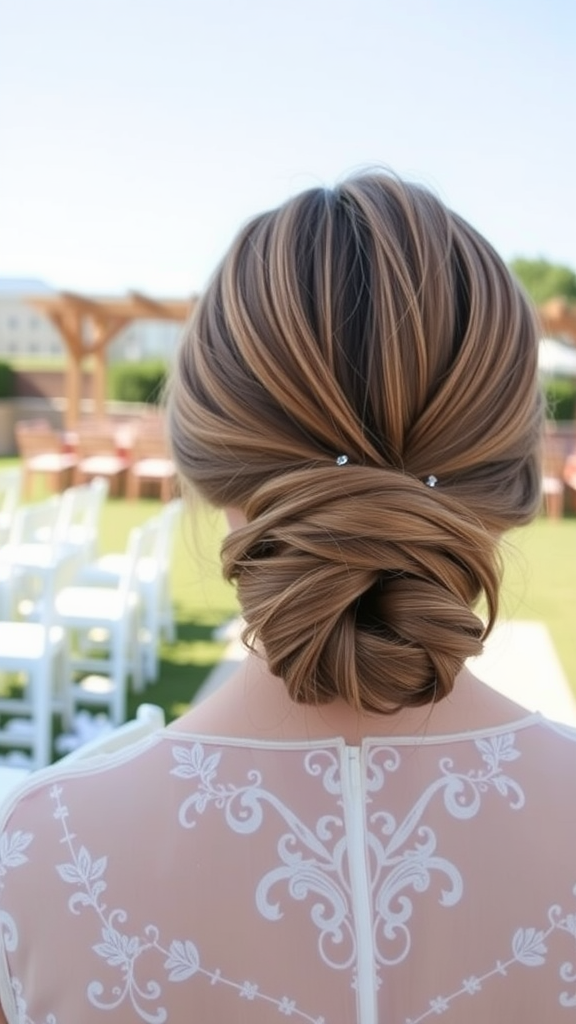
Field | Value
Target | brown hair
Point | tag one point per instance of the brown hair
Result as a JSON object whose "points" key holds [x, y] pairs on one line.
{"points": [[371, 322]]}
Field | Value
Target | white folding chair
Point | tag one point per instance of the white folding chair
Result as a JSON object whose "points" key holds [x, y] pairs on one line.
{"points": [[35, 524], [10, 493], [39, 652], [153, 578], [79, 520], [55, 537], [149, 718], [106, 622], [23, 552]]}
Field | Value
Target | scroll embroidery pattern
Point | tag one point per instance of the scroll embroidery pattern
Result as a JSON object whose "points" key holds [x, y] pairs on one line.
{"points": [[124, 951], [313, 861]]}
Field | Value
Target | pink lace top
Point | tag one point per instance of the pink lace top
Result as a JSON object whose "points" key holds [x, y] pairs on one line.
{"points": [[223, 881]]}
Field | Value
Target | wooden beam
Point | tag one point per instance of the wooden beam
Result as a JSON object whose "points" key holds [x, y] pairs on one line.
{"points": [[131, 307], [98, 352], [68, 310], [106, 330], [73, 390], [150, 307], [80, 303], [99, 384]]}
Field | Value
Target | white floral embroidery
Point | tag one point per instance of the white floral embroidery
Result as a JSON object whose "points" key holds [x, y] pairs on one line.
{"points": [[312, 862], [471, 985], [407, 857], [248, 990], [529, 949], [12, 846], [315, 861], [181, 960], [568, 973], [438, 1005]]}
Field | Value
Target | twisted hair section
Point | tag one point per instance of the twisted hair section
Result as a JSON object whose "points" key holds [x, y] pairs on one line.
{"points": [[333, 595], [370, 321]]}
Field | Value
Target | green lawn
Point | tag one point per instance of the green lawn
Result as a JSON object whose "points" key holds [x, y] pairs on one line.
{"points": [[540, 583], [202, 599]]}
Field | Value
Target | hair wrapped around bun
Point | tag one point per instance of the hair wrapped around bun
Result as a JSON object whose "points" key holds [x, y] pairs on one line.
{"points": [[369, 321]]}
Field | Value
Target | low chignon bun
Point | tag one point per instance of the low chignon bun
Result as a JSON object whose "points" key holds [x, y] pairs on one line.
{"points": [[361, 581]]}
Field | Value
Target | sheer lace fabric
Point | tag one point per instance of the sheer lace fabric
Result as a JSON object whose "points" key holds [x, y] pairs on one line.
{"points": [[219, 881]]}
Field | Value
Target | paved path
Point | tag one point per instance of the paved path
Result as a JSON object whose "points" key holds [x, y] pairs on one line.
{"points": [[519, 660]]}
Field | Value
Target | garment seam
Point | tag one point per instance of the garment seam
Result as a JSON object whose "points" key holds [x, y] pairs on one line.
{"points": [[338, 741]]}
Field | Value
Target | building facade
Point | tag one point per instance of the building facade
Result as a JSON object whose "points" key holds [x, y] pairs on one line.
{"points": [[26, 334]]}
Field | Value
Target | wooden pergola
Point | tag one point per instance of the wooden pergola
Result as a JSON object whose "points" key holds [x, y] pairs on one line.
{"points": [[88, 325], [558, 318]]}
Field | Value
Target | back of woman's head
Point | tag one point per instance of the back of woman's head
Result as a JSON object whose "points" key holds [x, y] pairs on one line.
{"points": [[368, 322]]}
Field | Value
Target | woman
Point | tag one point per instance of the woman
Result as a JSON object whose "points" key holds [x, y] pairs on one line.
{"points": [[353, 828]]}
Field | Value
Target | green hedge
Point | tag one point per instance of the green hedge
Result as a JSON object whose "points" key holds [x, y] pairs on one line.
{"points": [[7, 381], [561, 399], [137, 382]]}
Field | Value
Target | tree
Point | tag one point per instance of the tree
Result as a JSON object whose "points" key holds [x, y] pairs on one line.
{"points": [[543, 280]]}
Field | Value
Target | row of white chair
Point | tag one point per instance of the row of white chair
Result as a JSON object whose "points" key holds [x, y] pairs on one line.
{"points": [[48, 543], [118, 611], [83, 614], [11, 481]]}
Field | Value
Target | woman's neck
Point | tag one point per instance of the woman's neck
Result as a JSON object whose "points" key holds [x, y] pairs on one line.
{"points": [[254, 704]]}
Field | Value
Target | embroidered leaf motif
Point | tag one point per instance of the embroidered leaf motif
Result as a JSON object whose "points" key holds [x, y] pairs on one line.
{"points": [[529, 947], [287, 1006], [11, 847], [209, 767], [98, 868], [191, 763], [118, 950], [69, 873], [183, 960], [497, 748], [502, 784]]}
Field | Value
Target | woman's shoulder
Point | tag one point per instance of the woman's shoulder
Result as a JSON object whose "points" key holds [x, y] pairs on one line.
{"points": [[86, 775]]}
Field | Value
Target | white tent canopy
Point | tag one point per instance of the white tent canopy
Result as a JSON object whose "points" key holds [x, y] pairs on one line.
{"points": [[557, 359]]}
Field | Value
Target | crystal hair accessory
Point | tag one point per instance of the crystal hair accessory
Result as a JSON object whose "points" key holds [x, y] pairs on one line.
{"points": [[341, 460], [431, 480]]}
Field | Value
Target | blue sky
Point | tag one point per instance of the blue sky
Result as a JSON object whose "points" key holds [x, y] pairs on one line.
{"points": [[137, 135]]}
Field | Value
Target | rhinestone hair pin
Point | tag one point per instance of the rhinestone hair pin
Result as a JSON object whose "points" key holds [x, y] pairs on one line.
{"points": [[341, 460], [431, 480]]}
